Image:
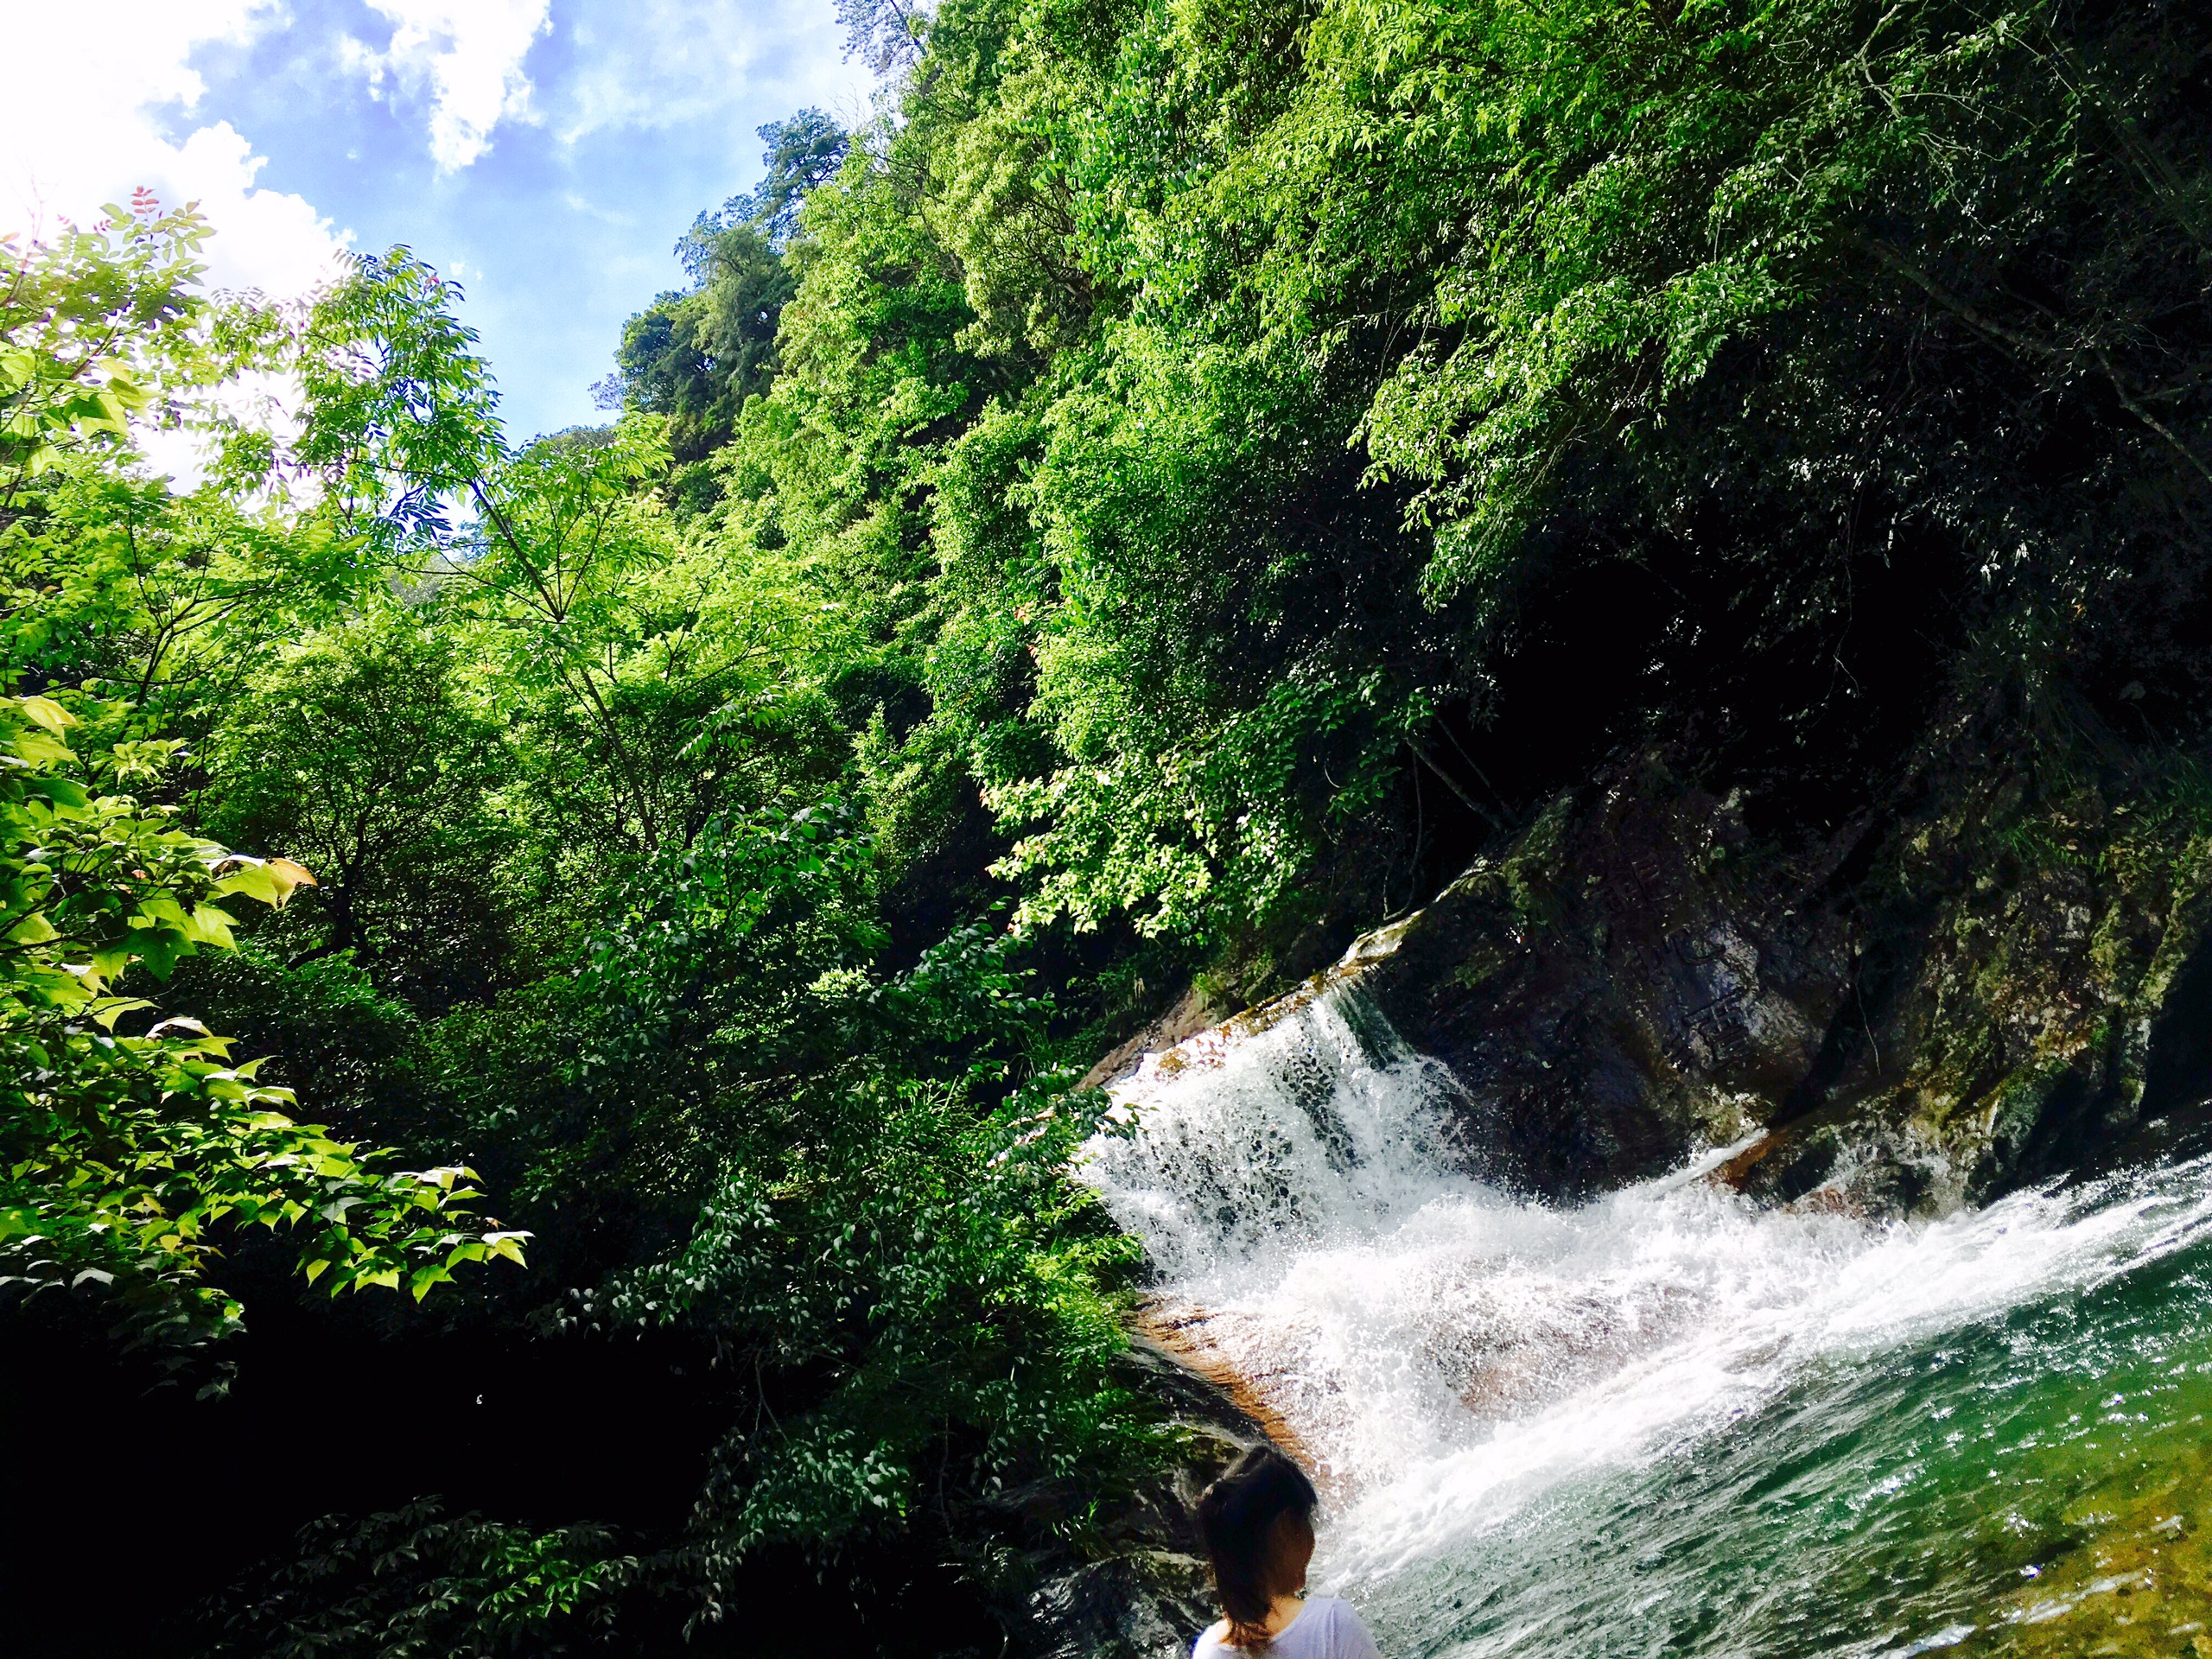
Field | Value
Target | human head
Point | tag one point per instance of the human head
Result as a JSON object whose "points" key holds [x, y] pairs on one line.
{"points": [[1258, 1524]]}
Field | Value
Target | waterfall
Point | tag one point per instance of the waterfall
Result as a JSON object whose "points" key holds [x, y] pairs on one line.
{"points": [[1478, 1380]]}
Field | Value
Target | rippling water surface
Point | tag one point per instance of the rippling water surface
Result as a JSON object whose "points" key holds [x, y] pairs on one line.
{"points": [[1668, 1422]]}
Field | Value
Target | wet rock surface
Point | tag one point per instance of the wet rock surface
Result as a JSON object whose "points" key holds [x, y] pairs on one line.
{"points": [[1987, 980], [1142, 1591], [1633, 979]]}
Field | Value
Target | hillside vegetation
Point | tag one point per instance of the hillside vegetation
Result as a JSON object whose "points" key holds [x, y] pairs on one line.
{"points": [[1159, 500]]}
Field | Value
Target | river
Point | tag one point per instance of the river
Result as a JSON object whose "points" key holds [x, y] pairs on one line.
{"points": [[1669, 1421]]}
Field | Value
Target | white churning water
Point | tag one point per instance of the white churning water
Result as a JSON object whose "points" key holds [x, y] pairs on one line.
{"points": [[1445, 1354]]}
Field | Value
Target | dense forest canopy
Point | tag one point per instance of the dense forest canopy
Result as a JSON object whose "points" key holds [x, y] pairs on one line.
{"points": [[1154, 500]]}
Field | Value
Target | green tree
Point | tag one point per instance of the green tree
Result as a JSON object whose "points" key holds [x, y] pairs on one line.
{"points": [[124, 1154], [804, 150], [694, 357], [359, 749]]}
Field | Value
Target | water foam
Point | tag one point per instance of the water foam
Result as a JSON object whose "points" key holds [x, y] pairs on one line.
{"points": [[1443, 1353]]}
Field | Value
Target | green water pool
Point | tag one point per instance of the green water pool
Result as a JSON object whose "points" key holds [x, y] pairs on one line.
{"points": [[2027, 1480]]}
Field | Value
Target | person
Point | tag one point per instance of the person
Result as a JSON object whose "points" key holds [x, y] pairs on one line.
{"points": [[1257, 1521]]}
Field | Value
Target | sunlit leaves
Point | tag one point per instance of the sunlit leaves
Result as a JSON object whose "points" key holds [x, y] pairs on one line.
{"points": [[695, 357], [92, 321], [400, 419], [122, 1156]]}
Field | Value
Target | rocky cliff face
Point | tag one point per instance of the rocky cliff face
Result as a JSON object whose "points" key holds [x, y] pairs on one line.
{"points": [[1999, 973], [1140, 1592]]}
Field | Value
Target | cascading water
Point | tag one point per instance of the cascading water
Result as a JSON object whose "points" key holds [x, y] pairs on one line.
{"points": [[1669, 1421]]}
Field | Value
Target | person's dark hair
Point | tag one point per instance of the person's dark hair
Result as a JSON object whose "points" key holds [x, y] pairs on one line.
{"points": [[1241, 1515]]}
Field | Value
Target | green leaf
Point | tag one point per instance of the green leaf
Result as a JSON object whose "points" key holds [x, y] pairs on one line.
{"points": [[48, 713], [33, 929], [63, 791], [37, 748], [108, 1009]]}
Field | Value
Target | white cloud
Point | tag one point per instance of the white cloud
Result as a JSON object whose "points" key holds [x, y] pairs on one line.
{"points": [[468, 53], [81, 132], [668, 63]]}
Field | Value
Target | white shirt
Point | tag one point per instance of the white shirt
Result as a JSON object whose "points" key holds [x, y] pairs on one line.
{"points": [[1325, 1628]]}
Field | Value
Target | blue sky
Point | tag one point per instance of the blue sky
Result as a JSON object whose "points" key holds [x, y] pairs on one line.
{"points": [[546, 152]]}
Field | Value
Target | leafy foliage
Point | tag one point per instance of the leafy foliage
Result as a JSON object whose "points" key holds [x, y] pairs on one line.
{"points": [[804, 150], [122, 1152], [1175, 484], [1268, 400], [96, 325], [697, 357], [417, 1581], [356, 749]]}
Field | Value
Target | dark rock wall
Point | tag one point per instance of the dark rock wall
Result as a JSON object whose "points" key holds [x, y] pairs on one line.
{"points": [[1631, 980], [1995, 974], [1140, 1592]]}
